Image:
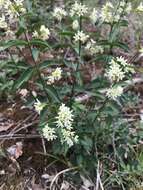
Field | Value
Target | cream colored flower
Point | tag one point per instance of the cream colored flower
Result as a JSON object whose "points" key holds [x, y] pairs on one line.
{"points": [[35, 34], [93, 48], [39, 106], [118, 69], [122, 61], [19, 2], [59, 13], [57, 73], [3, 23], [106, 12], [114, 92], [122, 4], [80, 36], [128, 8], [140, 7], [1, 3], [55, 76], [110, 13], [49, 133], [94, 16], [44, 32], [126, 67], [5, 4], [75, 25], [78, 9], [10, 34], [115, 72], [65, 117], [69, 137], [15, 8]]}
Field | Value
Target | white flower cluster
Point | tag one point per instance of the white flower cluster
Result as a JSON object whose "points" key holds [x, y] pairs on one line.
{"points": [[110, 13], [118, 69], [55, 76], [94, 16], [80, 36], [69, 137], [64, 122], [107, 12], [93, 48], [78, 9], [10, 34], [3, 23], [65, 117], [43, 34], [12, 9], [49, 133], [17, 7], [9, 12], [114, 92], [39, 106], [59, 13], [140, 7]]}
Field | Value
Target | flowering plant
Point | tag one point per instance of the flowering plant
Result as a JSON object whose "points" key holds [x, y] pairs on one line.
{"points": [[82, 118]]}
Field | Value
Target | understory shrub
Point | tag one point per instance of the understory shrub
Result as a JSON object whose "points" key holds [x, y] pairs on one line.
{"points": [[82, 114]]}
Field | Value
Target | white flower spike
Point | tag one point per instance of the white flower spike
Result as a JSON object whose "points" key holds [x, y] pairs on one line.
{"points": [[59, 13], [78, 9], [39, 106], [65, 117], [80, 36], [114, 92], [49, 133]]}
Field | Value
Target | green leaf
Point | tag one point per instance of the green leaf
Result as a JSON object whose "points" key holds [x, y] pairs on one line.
{"points": [[114, 44], [22, 27], [67, 33], [20, 31], [43, 114], [35, 53], [121, 45], [123, 23], [52, 93], [105, 58], [26, 75], [12, 43], [112, 109], [48, 63], [38, 42], [60, 45]]}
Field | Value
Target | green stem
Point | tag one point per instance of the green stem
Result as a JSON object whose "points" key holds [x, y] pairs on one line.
{"points": [[12, 58], [100, 109], [36, 67], [79, 59]]}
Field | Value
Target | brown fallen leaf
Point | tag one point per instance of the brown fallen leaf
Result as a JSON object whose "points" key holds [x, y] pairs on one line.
{"points": [[15, 151], [36, 186]]}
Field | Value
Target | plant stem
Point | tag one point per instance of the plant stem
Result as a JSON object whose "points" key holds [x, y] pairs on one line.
{"points": [[79, 58], [36, 67], [100, 109]]}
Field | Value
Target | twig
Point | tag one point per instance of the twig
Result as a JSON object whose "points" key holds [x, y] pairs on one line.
{"points": [[43, 144], [58, 174], [19, 136], [98, 179]]}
